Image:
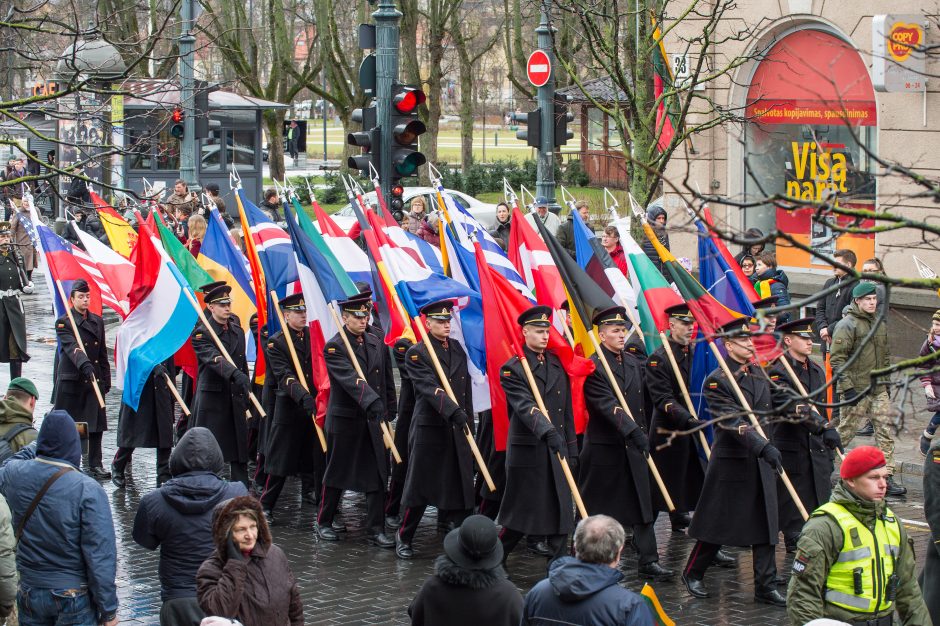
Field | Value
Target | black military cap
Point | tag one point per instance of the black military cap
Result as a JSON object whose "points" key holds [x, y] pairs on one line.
{"points": [[210, 286], [363, 287], [539, 315], [359, 305], [738, 327], [766, 303], [79, 286], [293, 302], [802, 328], [441, 310], [680, 312], [613, 315], [219, 293]]}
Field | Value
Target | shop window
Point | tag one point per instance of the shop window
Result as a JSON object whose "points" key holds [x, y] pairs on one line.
{"points": [[241, 149], [808, 139]]}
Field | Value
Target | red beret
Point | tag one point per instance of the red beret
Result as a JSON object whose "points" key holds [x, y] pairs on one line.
{"points": [[861, 460]]}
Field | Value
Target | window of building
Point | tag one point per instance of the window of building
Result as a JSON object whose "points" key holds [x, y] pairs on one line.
{"points": [[595, 129]]}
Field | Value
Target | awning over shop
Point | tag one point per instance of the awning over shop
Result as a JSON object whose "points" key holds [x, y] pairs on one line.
{"points": [[812, 77]]}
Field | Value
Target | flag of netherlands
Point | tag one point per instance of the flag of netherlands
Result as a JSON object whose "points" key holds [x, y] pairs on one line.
{"points": [[160, 321]]}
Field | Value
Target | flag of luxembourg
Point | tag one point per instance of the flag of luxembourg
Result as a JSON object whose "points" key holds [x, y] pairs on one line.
{"points": [[160, 321]]}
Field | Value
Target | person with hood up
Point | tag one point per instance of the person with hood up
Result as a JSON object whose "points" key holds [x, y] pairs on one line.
{"points": [[66, 557], [585, 589], [247, 577], [751, 249], [468, 586], [16, 413], [656, 216], [177, 518]]}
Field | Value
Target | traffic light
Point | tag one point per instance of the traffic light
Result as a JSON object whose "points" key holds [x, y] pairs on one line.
{"points": [[396, 202], [563, 116], [369, 139], [532, 134], [177, 128], [406, 128]]}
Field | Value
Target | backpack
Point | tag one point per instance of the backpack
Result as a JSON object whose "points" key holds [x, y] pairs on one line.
{"points": [[6, 452]]}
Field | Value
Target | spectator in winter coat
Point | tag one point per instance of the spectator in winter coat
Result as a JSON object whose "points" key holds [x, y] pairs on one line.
{"points": [[247, 577], [747, 263], [66, 556], [8, 576], [16, 410], [611, 243], [551, 221], [271, 205], [469, 586], [503, 225], [428, 230], [931, 383], [177, 518], [585, 589], [769, 281], [829, 311], [197, 232], [418, 215], [656, 216], [565, 233]]}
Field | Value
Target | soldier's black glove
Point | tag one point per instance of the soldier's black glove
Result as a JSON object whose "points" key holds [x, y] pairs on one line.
{"points": [[682, 417], [309, 403], [804, 411], [240, 379], [831, 438], [555, 443], [459, 418], [771, 456], [638, 439], [573, 463], [375, 412], [851, 397], [159, 372], [234, 554], [87, 370]]}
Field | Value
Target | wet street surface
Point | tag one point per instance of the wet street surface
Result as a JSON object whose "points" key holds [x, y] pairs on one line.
{"points": [[350, 582]]}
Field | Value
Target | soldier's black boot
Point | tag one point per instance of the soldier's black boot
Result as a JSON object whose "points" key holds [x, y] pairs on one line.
{"points": [[326, 532], [895, 489], [723, 559], [381, 540], [402, 549], [117, 477], [770, 596], [655, 571], [695, 587]]}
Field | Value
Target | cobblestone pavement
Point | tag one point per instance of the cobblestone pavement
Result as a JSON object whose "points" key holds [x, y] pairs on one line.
{"points": [[352, 583]]}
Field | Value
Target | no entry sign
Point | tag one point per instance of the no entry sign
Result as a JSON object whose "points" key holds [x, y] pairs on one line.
{"points": [[538, 68]]}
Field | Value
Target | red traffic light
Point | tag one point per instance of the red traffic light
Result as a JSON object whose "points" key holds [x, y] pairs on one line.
{"points": [[177, 115], [408, 99], [398, 190]]}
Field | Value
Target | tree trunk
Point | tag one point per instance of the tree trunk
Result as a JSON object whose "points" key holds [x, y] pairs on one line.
{"points": [[429, 139], [466, 104], [274, 125]]}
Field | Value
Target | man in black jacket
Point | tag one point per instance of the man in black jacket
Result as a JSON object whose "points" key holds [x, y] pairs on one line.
{"points": [[537, 500], [177, 518], [292, 446], [738, 506], [222, 388], [357, 459], [613, 460], [829, 311], [805, 439], [78, 365], [440, 468]]}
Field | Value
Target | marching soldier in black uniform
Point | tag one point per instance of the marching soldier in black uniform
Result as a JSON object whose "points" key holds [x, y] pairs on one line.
{"points": [[222, 389], [440, 468], [679, 462], [738, 506], [12, 319], [537, 500], [406, 407], [150, 426], [357, 459], [73, 391], [292, 446], [804, 439], [614, 478]]}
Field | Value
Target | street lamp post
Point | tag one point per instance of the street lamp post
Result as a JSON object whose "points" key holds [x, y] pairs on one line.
{"points": [[187, 87]]}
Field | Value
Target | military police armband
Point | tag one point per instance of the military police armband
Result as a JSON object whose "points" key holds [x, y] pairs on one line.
{"points": [[800, 563]]}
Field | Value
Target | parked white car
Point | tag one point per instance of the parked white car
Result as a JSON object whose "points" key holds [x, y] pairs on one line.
{"points": [[484, 212]]}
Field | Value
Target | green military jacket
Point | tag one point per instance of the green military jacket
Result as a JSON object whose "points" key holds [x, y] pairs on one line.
{"points": [[818, 548], [12, 413], [847, 338]]}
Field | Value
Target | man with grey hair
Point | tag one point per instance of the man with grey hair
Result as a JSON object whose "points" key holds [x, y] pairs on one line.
{"points": [[584, 589]]}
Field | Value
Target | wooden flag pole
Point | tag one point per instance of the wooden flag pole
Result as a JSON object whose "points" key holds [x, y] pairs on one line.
{"points": [[623, 404], [565, 468], [450, 393], [297, 369], [800, 388], [685, 391], [386, 433], [78, 340], [757, 427], [176, 394], [218, 344]]}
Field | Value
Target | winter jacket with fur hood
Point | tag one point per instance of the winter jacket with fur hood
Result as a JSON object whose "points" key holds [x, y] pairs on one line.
{"points": [[456, 596], [257, 591]]}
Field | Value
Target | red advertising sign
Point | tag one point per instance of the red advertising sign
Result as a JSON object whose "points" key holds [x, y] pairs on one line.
{"points": [[538, 68]]}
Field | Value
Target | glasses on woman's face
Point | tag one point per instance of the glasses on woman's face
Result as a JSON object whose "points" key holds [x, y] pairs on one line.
{"points": [[747, 266]]}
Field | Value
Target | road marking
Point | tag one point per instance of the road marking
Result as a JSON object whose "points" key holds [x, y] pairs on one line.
{"points": [[913, 522]]}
